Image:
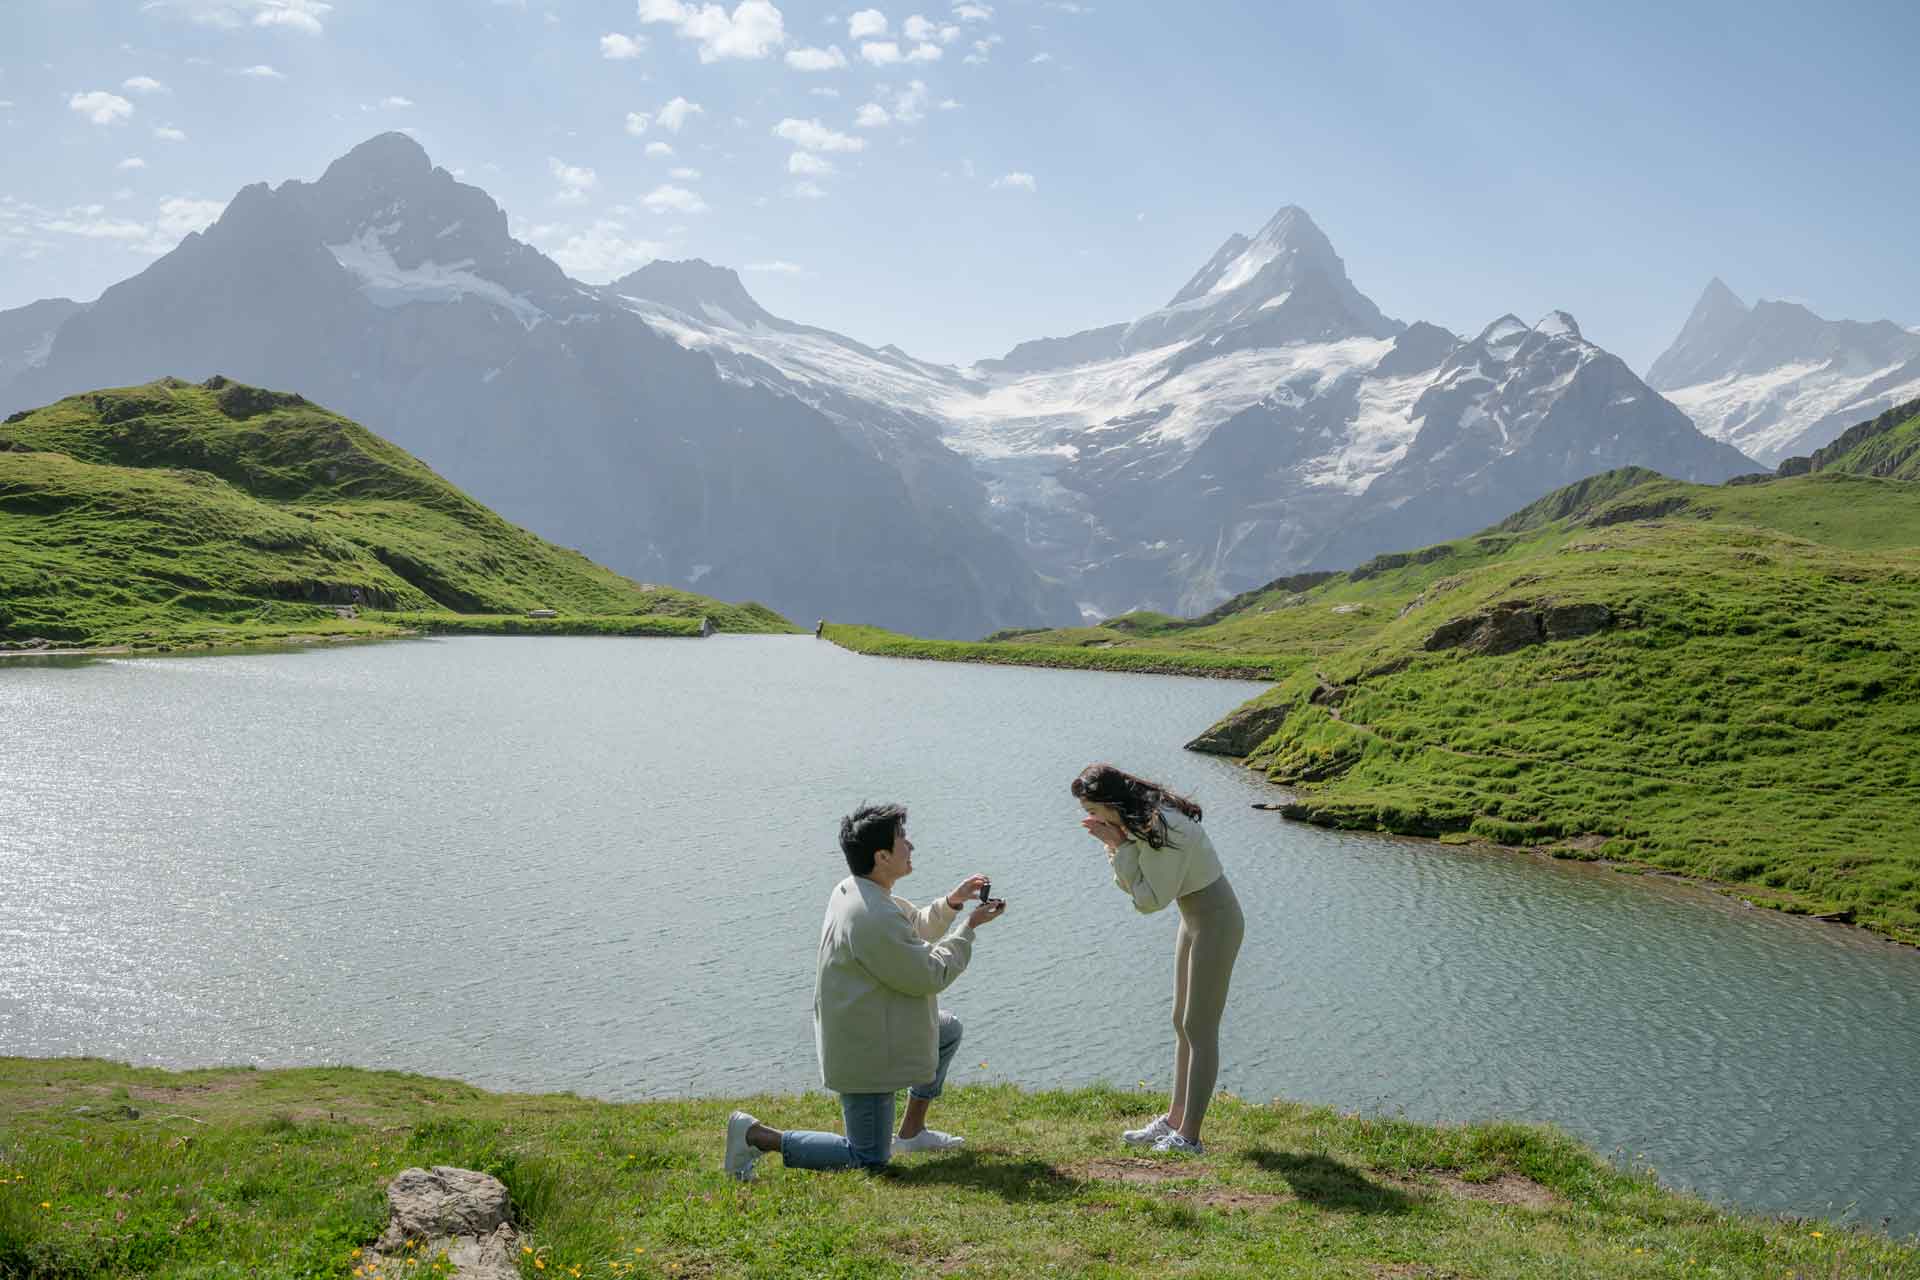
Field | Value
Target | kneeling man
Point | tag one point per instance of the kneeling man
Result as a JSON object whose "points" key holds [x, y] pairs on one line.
{"points": [[877, 1023]]}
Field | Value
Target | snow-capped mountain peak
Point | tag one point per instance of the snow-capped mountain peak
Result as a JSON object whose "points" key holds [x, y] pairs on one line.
{"points": [[1776, 379], [1289, 239], [698, 289]]}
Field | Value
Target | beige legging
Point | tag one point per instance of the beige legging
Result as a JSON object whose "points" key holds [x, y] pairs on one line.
{"points": [[1211, 929]]}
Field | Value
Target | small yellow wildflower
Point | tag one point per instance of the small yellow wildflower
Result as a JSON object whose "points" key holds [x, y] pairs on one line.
{"points": [[638, 1249], [356, 1253], [524, 1249], [1818, 1234], [539, 1264], [46, 1204]]}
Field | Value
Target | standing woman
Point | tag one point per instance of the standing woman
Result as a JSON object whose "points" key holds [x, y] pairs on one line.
{"points": [[1160, 856]]}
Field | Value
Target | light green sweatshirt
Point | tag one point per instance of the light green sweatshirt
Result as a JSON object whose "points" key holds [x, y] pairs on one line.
{"points": [[1155, 877], [882, 966]]}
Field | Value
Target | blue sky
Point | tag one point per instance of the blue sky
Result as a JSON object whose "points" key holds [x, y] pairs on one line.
{"points": [[1041, 167]]}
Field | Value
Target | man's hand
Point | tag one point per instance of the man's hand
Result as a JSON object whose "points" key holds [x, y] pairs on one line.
{"points": [[987, 911], [1110, 834], [968, 888]]}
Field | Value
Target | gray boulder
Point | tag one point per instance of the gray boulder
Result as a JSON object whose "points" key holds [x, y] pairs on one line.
{"points": [[456, 1212]]}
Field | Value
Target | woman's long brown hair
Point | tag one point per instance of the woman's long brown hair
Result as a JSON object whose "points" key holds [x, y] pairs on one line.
{"points": [[1138, 801]]}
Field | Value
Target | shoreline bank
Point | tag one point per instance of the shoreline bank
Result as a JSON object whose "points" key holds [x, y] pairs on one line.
{"points": [[112, 1170]]}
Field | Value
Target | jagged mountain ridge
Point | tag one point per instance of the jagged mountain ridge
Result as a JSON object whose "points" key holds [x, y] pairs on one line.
{"points": [[1268, 419], [1775, 379], [394, 292]]}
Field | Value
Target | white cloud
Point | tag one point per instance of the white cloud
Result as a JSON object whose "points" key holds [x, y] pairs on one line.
{"points": [[982, 49], [396, 103], [805, 162], [618, 47], [132, 162], [261, 71], [918, 28], [575, 180], [807, 190], [811, 135], [301, 15], [949, 104], [753, 30], [775, 268], [673, 116], [910, 104], [1067, 6], [179, 216], [685, 174], [1041, 57], [659, 149], [972, 12], [174, 219], [924, 52], [881, 53], [637, 122], [867, 22], [824, 93], [143, 84], [597, 255], [872, 116], [167, 133], [949, 34], [827, 59], [101, 107], [667, 198], [1022, 180]]}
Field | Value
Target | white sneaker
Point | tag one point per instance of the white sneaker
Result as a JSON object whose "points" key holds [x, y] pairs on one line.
{"points": [[928, 1140], [1177, 1143], [740, 1157], [1157, 1128]]}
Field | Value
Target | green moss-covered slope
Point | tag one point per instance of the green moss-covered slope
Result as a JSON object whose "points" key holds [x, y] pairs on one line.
{"points": [[175, 513]]}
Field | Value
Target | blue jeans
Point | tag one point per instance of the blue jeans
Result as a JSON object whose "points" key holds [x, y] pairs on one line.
{"points": [[868, 1143]]}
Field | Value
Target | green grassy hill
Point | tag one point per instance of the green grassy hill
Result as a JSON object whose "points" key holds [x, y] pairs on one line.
{"points": [[179, 514], [1722, 682], [119, 1172], [1888, 446]]}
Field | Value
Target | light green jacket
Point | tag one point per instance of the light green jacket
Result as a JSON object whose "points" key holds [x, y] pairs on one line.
{"points": [[883, 964]]}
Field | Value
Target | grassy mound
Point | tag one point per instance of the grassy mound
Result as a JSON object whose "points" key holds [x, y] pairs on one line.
{"points": [[1721, 682], [112, 1171], [1888, 447], [180, 514]]}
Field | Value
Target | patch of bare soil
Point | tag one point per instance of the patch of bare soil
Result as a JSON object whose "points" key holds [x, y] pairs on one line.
{"points": [[187, 1092], [1149, 1172], [1508, 1188], [1228, 1200]]}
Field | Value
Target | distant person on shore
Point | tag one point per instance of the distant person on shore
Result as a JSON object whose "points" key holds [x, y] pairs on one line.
{"points": [[877, 1024], [1160, 856]]}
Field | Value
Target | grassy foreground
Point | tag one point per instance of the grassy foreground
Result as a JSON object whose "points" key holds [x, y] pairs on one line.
{"points": [[173, 515], [113, 1171], [1719, 682]]}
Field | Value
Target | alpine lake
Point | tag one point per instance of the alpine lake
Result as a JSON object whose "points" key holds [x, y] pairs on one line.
{"points": [[600, 865]]}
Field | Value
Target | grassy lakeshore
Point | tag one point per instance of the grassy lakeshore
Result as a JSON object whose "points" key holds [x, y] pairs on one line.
{"points": [[877, 643], [1716, 682], [113, 1171]]}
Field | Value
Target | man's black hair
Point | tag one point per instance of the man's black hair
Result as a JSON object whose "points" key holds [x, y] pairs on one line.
{"points": [[868, 831]]}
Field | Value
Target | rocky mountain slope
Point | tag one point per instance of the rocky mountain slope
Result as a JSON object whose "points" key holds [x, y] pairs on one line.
{"points": [[393, 291], [1774, 379]]}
